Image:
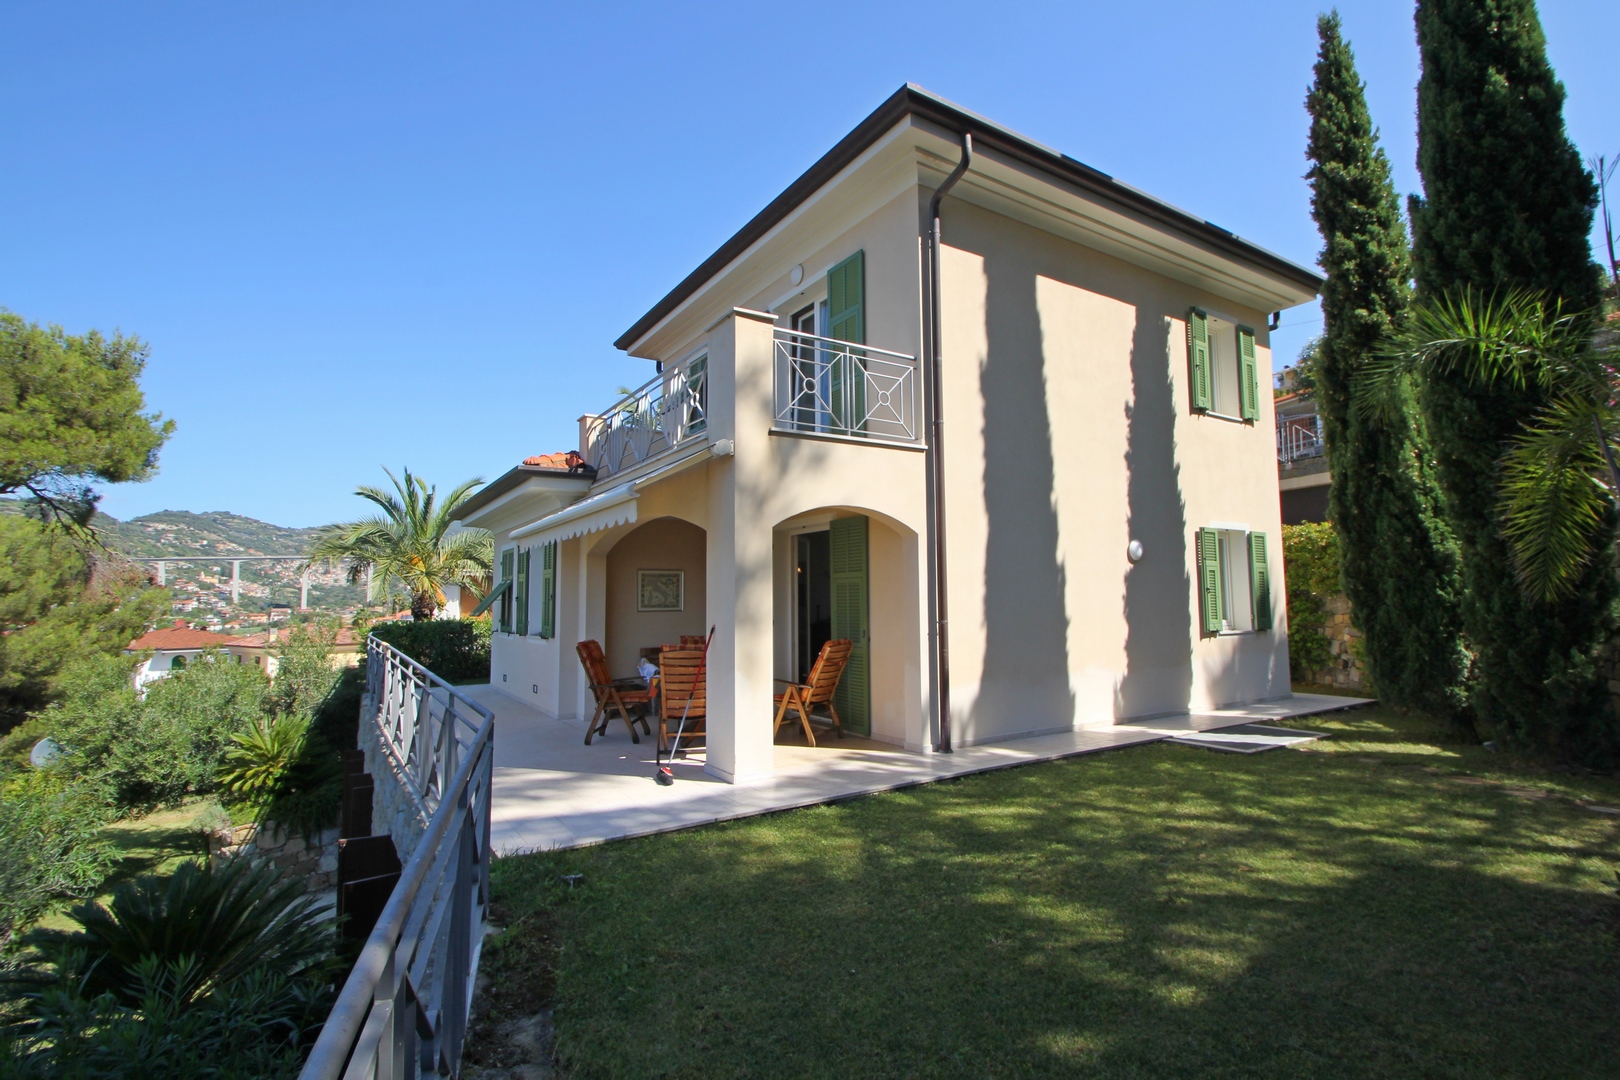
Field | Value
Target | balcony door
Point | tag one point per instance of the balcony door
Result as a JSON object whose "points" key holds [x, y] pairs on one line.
{"points": [[812, 378]]}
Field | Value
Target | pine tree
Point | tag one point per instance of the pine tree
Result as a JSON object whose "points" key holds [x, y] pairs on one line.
{"points": [[1506, 203], [1397, 558]]}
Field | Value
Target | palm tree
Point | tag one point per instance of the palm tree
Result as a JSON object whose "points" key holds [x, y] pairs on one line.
{"points": [[410, 542], [1559, 482]]}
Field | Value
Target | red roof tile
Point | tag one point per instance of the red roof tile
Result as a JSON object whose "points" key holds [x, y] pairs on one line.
{"points": [[179, 637], [562, 462]]}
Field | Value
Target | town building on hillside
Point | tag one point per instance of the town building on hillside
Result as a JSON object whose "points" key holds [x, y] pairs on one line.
{"points": [[173, 648], [261, 650], [1099, 536]]}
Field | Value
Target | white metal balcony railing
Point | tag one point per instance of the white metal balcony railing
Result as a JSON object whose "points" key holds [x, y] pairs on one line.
{"points": [[1299, 437], [402, 1013], [664, 413], [830, 387]]}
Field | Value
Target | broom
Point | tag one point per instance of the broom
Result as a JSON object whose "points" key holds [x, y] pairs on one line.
{"points": [[664, 775]]}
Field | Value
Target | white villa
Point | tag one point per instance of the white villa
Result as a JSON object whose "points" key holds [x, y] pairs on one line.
{"points": [[1024, 460]]}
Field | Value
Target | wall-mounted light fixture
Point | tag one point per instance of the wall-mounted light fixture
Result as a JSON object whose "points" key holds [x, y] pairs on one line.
{"points": [[722, 448], [796, 275], [1134, 551]]}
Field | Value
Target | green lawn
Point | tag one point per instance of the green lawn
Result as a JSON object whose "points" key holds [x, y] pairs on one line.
{"points": [[154, 844], [1383, 903]]}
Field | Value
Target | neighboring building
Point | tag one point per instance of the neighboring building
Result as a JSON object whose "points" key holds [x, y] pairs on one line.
{"points": [[260, 650], [173, 648], [1302, 465], [1110, 498]]}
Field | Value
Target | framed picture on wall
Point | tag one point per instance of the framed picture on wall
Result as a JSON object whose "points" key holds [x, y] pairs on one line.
{"points": [[660, 590]]}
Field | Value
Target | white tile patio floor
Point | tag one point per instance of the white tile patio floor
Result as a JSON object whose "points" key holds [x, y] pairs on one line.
{"points": [[552, 791]]}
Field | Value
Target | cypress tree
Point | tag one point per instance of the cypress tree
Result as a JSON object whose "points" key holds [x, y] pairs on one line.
{"points": [[1506, 203], [1397, 559]]}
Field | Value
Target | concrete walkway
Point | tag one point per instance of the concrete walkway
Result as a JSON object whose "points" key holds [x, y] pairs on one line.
{"points": [[552, 791]]}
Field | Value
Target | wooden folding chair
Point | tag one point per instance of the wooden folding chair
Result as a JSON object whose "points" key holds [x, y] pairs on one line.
{"points": [[628, 697], [804, 697], [678, 682]]}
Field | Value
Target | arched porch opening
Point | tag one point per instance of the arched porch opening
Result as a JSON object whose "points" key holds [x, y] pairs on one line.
{"points": [[655, 578], [851, 573]]}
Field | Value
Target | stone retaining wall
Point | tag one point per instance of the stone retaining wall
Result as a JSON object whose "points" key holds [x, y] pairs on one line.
{"points": [[1344, 670], [393, 810], [313, 858]]}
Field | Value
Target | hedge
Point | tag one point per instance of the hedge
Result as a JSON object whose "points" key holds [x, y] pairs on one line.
{"points": [[1311, 566], [456, 650]]}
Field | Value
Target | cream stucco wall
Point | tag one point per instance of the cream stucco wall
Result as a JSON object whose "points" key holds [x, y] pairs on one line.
{"points": [[663, 544], [1070, 434]]}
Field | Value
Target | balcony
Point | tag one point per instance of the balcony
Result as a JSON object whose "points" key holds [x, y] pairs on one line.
{"points": [[1299, 438], [665, 413], [841, 390]]}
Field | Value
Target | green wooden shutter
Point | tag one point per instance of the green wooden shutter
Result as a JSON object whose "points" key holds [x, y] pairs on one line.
{"points": [[1249, 376], [1203, 397], [521, 592], [506, 594], [548, 590], [846, 321], [851, 619], [1260, 581], [1209, 579], [846, 299]]}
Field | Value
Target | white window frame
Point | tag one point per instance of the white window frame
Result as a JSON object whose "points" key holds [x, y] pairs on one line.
{"points": [[1237, 590], [1232, 362]]}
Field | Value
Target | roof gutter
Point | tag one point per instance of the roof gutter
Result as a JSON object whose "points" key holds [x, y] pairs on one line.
{"points": [[938, 586]]}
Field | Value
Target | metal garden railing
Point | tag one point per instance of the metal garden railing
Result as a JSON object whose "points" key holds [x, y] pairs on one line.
{"points": [[829, 387], [403, 1010], [1299, 437], [662, 414]]}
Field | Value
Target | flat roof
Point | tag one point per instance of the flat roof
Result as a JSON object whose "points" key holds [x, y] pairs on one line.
{"points": [[913, 100]]}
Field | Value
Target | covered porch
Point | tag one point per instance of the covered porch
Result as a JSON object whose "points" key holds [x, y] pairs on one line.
{"points": [[551, 791]]}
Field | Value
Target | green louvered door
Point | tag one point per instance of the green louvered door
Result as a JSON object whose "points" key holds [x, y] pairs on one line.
{"points": [[846, 321], [851, 619], [1203, 393]]}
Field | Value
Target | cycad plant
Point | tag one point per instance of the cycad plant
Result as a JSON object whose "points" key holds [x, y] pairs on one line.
{"points": [[411, 543], [1557, 477], [221, 921]]}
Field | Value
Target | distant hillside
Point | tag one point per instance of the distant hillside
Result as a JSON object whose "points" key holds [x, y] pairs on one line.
{"points": [[181, 532]]}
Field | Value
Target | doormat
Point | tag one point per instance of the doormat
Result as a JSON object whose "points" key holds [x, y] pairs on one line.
{"points": [[1246, 738]]}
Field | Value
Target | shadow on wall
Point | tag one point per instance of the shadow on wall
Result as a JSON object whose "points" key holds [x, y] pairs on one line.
{"points": [[1158, 620], [1025, 683]]}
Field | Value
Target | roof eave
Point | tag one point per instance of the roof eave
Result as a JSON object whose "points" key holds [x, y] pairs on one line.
{"points": [[912, 100]]}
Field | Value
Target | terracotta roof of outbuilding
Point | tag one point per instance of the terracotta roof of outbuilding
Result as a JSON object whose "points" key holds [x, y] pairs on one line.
{"points": [[179, 636]]}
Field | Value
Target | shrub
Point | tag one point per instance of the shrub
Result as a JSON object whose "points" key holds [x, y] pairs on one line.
{"points": [[263, 755], [1311, 568], [222, 920], [456, 650], [305, 676], [50, 845], [159, 750], [252, 1030], [221, 970]]}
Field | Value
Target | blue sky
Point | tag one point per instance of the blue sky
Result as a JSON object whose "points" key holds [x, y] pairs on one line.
{"points": [[359, 235]]}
